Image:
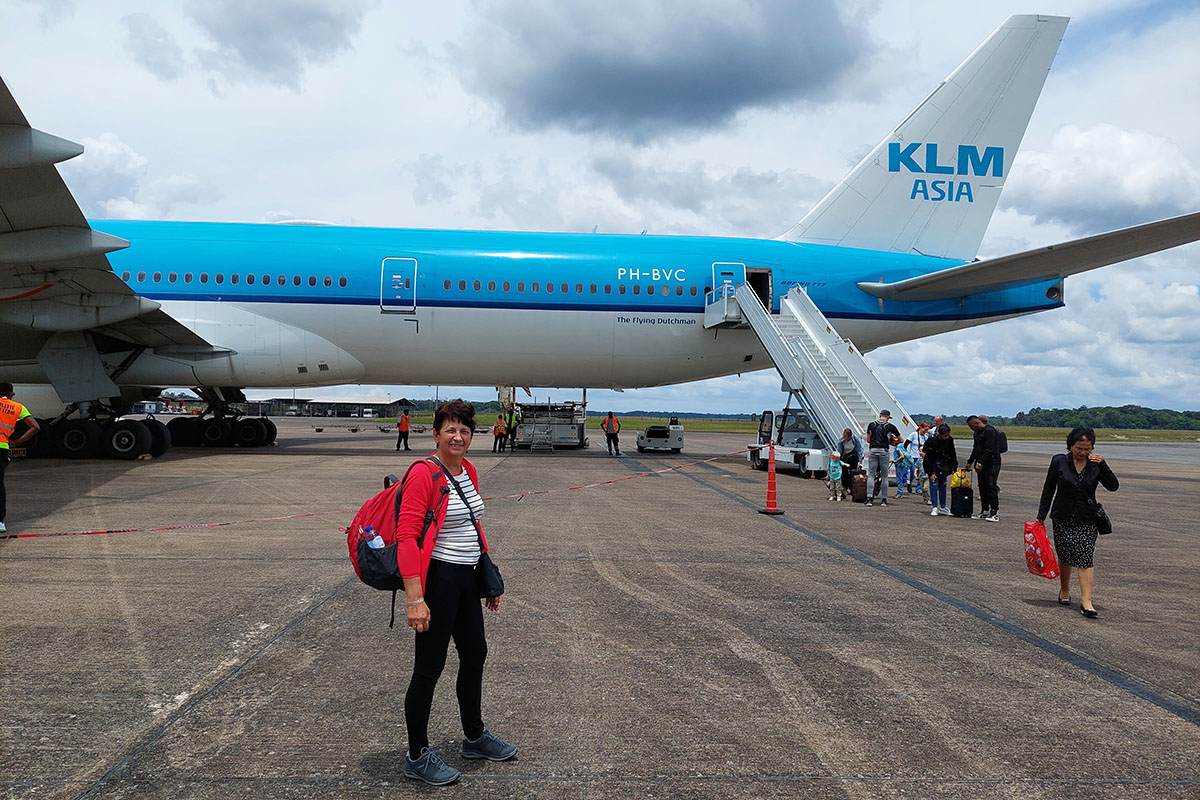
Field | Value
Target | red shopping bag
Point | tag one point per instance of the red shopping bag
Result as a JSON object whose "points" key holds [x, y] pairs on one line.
{"points": [[1039, 555]]}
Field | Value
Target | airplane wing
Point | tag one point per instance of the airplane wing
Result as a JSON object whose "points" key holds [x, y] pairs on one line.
{"points": [[54, 271], [1043, 264]]}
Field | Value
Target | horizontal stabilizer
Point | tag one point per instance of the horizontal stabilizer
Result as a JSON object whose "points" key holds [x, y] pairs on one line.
{"points": [[1043, 264]]}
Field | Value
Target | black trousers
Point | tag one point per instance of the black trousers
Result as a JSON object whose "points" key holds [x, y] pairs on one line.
{"points": [[498, 442], [989, 487], [402, 440], [455, 612], [613, 440], [3, 494], [848, 472]]}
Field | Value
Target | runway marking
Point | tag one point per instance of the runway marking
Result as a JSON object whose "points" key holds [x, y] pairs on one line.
{"points": [[1186, 712]]}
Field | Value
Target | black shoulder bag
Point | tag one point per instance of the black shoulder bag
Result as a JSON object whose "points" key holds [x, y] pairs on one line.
{"points": [[487, 574], [1099, 516]]}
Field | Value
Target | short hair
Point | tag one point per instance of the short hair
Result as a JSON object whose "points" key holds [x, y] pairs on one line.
{"points": [[6, 388], [456, 410], [1080, 432], [983, 419], [943, 428], [976, 416]]}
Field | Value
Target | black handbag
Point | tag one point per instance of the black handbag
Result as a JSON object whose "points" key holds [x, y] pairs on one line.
{"points": [[1100, 517], [487, 574]]}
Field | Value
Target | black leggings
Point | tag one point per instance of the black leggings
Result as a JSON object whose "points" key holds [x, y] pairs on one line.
{"points": [[455, 611], [848, 471]]}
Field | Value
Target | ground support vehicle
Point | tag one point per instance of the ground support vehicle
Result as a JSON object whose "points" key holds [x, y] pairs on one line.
{"points": [[661, 437], [797, 445]]}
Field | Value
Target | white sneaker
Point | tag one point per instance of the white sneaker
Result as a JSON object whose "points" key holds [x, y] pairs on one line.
{"points": [[933, 513], [944, 511], [993, 518]]}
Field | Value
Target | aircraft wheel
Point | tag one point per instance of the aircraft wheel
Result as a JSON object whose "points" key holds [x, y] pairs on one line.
{"points": [[216, 433], [250, 432], [126, 439], [184, 432], [40, 445], [272, 430], [160, 437], [77, 438]]}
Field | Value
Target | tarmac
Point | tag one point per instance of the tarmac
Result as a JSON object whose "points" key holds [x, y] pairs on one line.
{"points": [[659, 637]]}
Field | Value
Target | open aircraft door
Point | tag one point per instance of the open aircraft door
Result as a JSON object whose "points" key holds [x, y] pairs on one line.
{"points": [[398, 286]]}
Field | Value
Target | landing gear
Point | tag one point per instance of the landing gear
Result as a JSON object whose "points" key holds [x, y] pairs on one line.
{"points": [[126, 439], [250, 432], [220, 424], [77, 438]]}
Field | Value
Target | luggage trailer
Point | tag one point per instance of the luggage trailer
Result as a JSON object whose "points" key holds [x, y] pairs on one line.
{"points": [[544, 426]]}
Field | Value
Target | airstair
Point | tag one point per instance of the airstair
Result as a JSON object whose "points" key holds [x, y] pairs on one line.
{"points": [[822, 370]]}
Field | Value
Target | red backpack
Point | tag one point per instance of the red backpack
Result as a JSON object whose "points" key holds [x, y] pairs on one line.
{"points": [[372, 537]]}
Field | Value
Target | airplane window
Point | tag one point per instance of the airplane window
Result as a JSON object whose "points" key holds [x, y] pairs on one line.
{"points": [[250, 279], [171, 277], [666, 290], [650, 289], [565, 288], [342, 282], [141, 277], [608, 288], [693, 291], [329, 281], [125, 276], [312, 280], [282, 280], [296, 280], [491, 286], [204, 277], [620, 288], [234, 278], [507, 286], [637, 288], [476, 285], [679, 290], [533, 287], [462, 286], [593, 288], [520, 286], [157, 277], [187, 277], [219, 278], [446, 284], [549, 287]]}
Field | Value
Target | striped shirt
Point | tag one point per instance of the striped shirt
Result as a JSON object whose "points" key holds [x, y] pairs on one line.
{"points": [[457, 541]]}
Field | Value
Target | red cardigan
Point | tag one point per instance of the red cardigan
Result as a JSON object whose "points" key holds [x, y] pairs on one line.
{"points": [[424, 489]]}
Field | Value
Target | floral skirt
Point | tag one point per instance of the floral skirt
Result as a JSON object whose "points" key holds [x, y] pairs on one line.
{"points": [[1075, 542]]}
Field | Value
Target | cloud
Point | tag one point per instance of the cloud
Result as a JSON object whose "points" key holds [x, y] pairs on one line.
{"points": [[636, 71], [111, 180], [153, 46], [274, 41], [1102, 178]]}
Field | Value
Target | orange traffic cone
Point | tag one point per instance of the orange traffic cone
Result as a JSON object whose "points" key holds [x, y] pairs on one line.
{"points": [[771, 507]]}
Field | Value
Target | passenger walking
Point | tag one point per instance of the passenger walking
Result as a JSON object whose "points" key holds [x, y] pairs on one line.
{"points": [[852, 453], [916, 441], [1071, 486], [402, 426], [499, 434], [10, 413], [442, 596], [612, 426], [836, 470], [985, 457], [903, 463], [940, 461], [881, 436]]}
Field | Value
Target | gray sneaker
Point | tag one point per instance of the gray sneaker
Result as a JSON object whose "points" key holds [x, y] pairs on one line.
{"points": [[488, 746], [430, 768]]}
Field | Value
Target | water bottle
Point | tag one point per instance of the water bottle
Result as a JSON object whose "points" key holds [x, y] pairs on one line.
{"points": [[374, 540]]}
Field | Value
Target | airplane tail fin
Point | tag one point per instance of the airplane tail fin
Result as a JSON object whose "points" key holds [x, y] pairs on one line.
{"points": [[931, 186]]}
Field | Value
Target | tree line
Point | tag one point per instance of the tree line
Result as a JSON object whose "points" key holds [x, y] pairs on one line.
{"points": [[1131, 417]]}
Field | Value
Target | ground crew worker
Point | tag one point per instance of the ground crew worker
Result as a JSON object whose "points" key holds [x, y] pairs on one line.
{"points": [[499, 434], [402, 425], [10, 412], [611, 426], [512, 433]]}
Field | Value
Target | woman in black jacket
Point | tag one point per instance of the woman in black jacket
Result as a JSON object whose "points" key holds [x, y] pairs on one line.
{"points": [[1071, 484], [940, 460]]}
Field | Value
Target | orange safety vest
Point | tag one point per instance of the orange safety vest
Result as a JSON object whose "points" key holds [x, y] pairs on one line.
{"points": [[402, 423], [498, 428], [10, 412], [616, 425]]}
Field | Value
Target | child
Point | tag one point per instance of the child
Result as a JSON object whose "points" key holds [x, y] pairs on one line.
{"points": [[904, 464], [835, 475]]}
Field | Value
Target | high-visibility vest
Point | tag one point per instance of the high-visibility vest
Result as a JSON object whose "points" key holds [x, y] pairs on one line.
{"points": [[498, 428], [616, 424], [10, 412], [402, 423]]}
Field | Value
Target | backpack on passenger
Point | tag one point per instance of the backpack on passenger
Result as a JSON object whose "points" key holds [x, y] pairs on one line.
{"points": [[1001, 441], [372, 538], [962, 496]]}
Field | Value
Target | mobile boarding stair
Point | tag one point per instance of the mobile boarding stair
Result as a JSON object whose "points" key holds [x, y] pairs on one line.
{"points": [[823, 371]]}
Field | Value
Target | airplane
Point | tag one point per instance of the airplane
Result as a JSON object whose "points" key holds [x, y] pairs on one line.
{"points": [[106, 312]]}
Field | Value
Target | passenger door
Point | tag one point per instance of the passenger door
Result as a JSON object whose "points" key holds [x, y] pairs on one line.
{"points": [[398, 286]]}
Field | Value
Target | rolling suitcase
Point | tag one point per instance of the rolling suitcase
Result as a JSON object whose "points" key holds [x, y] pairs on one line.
{"points": [[962, 501], [858, 487]]}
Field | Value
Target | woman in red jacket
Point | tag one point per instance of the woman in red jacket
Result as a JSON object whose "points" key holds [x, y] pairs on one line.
{"points": [[442, 596]]}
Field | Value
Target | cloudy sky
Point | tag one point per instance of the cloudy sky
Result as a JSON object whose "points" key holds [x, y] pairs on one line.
{"points": [[697, 117]]}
